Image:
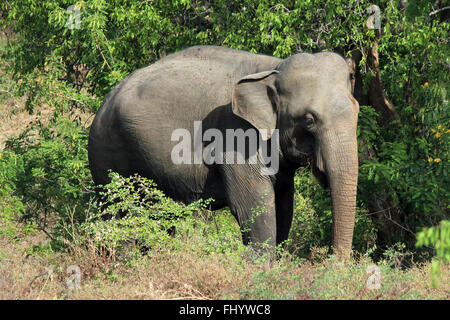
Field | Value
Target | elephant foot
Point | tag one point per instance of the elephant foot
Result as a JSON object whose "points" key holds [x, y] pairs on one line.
{"points": [[257, 253]]}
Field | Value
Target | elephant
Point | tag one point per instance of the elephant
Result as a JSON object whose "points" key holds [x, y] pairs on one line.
{"points": [[301, 106]]}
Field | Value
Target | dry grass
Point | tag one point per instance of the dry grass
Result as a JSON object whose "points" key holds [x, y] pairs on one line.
{"points": [[160, 275], [186, 274]]}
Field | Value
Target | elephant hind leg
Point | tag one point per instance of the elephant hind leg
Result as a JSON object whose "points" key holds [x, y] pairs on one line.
{"points": [[101, 161]]}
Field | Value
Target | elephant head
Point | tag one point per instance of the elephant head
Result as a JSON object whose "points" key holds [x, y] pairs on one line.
{"points": [[308, 98]]}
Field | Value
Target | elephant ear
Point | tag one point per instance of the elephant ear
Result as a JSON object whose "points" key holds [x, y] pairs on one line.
{"points": [[255, 99]]}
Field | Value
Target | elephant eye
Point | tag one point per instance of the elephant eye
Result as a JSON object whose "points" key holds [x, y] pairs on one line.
{"points": [[309, 121]]}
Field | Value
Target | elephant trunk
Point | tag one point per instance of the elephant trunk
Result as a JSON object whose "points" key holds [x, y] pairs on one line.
{"points": [[340, 157]]}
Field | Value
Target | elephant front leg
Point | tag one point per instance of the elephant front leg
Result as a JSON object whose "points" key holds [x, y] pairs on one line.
{"points": [[252, 202], [284, 195], [257, 220]]}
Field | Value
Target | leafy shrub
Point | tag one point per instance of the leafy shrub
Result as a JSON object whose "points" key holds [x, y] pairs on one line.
{"points": [[439, 238], [12, 208], [51, 175], [139, 212]]}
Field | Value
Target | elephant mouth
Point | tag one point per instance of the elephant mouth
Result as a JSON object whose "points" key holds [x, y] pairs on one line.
{"points": [[321, 177], [318, 169]]}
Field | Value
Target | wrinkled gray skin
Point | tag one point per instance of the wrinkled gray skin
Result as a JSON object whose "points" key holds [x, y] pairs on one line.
{"points": [[306, 96]]}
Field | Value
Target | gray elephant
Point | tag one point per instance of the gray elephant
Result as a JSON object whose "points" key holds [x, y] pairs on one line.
{"points": [[301, 107]]}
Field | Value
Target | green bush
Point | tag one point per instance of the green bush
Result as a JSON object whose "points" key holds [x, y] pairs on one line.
{"points": [[11, 206], [140, 213], [439, 238], [48, 171]]}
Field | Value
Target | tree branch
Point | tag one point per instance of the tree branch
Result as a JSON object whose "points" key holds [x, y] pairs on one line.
{"points": [[101, 52], [438, 10]]}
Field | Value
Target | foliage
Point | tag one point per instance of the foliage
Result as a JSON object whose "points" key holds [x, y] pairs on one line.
{"points": [[48, 172], [136, 211], [439, 238], [10, 204], [114, 38], [411, 159]]}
